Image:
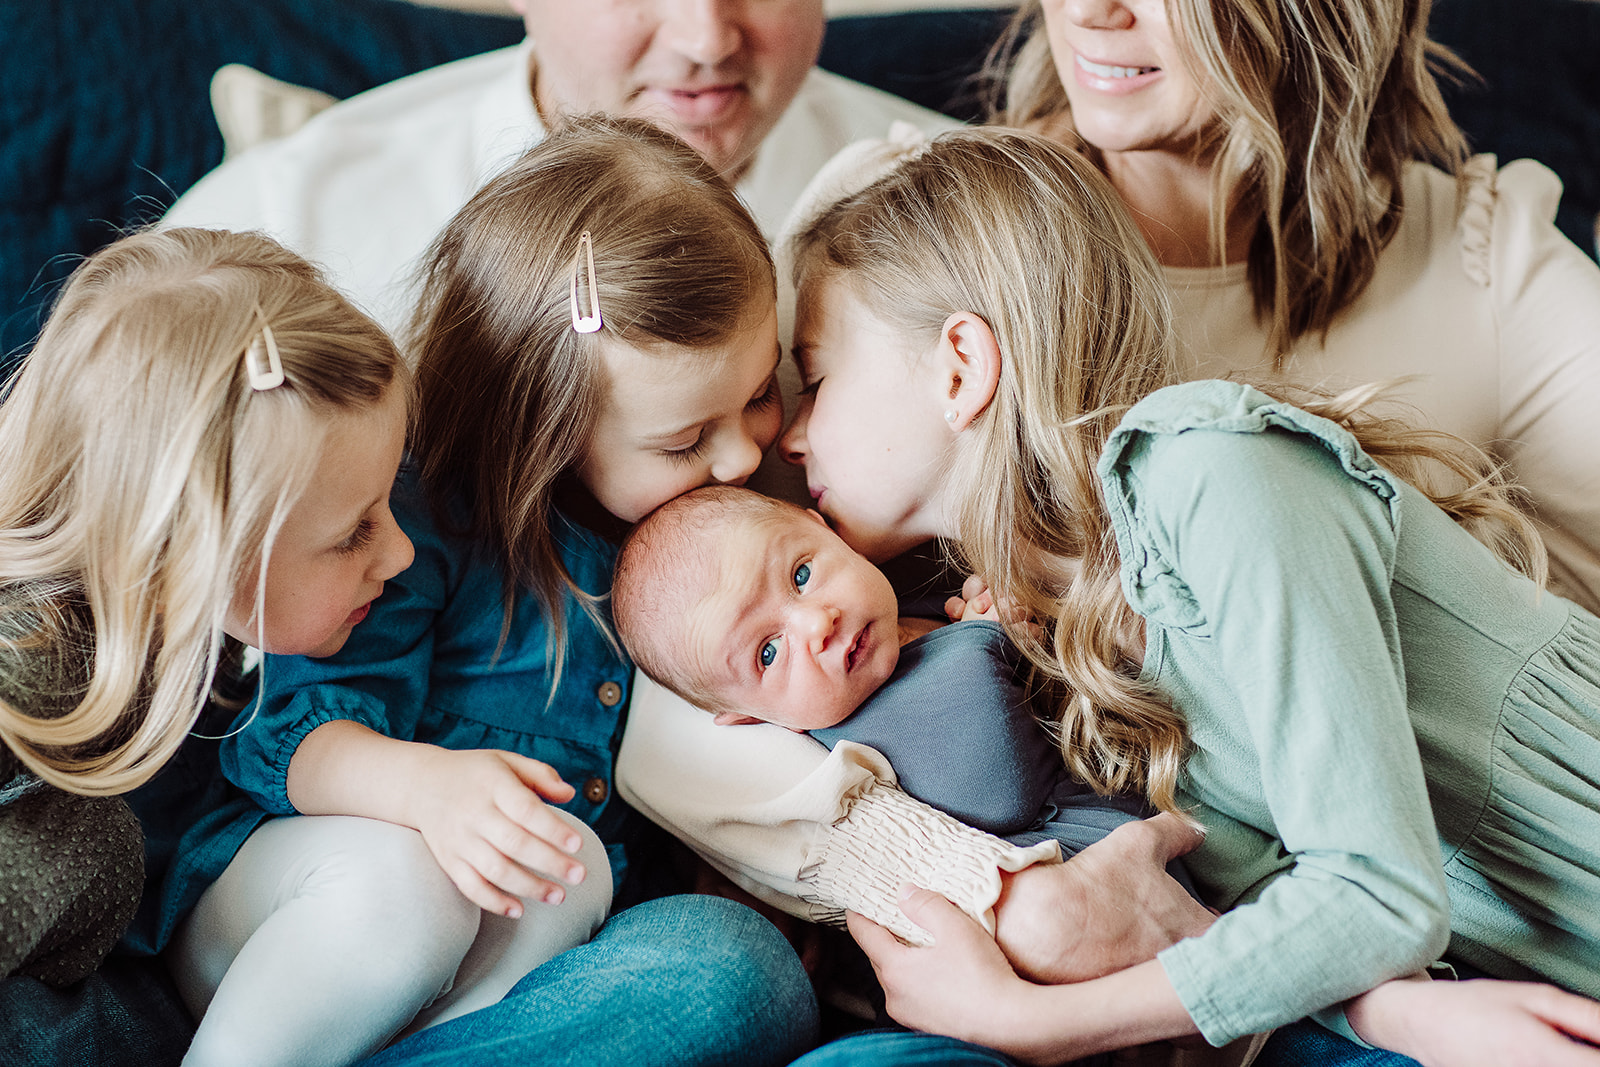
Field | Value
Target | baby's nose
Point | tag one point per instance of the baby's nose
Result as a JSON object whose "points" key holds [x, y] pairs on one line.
{"points": [[818, 622]]}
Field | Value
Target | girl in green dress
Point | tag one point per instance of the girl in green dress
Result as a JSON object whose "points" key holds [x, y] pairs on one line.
{"points": [[1313, 630]]}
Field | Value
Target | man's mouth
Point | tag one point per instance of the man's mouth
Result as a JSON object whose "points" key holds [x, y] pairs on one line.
{"points": [[698, 106]]}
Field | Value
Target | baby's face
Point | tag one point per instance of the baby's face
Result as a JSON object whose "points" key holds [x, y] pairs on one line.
{"points": [[799, 630]]}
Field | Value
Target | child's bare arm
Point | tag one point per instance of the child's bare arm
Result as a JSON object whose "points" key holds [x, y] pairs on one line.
{"points": [[482, 812]]}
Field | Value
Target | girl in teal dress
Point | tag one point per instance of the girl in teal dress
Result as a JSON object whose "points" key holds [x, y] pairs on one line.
{"points": [[1315, 631]]}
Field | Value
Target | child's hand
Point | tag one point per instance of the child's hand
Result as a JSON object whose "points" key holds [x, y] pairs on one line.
{"points": [[975, 602], [481, 813]]}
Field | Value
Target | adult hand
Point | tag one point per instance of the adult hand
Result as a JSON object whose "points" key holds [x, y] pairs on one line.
{"points": [[961, 986], [1480, 1023], [483, 814], [1109, 907]]}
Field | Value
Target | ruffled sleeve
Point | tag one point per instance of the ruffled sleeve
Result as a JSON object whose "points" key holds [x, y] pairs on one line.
{"points": [[812, 832], [1544, 294]]}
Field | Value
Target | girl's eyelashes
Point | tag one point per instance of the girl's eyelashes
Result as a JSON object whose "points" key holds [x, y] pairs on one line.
{"points": [[769, 396], [810, 389], [689, 453], [359, 538]]}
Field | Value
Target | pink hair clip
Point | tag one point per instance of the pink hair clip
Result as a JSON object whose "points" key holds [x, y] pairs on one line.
{"points": [[591, 322]]}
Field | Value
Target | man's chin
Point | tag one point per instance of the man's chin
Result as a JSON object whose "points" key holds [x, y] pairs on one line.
{"points": [[726, 152]]}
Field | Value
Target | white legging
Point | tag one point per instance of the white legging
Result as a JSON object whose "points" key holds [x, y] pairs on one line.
{"points": [[329, 935]]}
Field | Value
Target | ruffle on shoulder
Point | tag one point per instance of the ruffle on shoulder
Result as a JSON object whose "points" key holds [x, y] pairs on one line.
{"points": [[1477, 217], [1484, 185]]}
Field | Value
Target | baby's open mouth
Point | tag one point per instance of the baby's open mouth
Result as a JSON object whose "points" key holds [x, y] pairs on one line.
{"points": [[855, 648]]}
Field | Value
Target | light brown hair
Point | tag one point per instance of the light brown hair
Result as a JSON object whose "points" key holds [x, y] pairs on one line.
{"points": [[508, 391], [142, 480], [1320, 105]]}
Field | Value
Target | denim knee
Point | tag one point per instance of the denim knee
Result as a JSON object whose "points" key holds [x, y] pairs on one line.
{"points": [[722, 986], [682, 981]]}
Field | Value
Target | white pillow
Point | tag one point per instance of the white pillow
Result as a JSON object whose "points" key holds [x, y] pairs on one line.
{"points": [[252, 107]]}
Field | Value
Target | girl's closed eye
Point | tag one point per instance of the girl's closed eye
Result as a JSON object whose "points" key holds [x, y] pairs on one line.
{"points": [[810, 388], [689, 452], [769, 396], [359, 538]]}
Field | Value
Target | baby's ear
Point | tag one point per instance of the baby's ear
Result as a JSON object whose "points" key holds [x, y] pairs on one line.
{"points": [[733, 718], [815, 514]]}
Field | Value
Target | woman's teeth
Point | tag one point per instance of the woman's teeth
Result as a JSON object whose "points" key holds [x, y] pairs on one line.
{"points": [[1101, 70]]}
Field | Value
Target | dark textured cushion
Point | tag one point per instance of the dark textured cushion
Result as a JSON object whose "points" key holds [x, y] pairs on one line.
{"points": [[105, 115]]}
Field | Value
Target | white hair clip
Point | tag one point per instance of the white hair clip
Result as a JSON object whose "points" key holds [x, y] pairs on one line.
{"points": [[270, 376], [591, 322]]}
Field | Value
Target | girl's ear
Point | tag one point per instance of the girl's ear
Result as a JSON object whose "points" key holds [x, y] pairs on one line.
{"points": [[969, 365]]}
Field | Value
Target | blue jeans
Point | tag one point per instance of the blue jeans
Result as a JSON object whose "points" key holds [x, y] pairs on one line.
{"points": [[126, 1014], [1305, 1044], [908, 1048], [679, 981]]}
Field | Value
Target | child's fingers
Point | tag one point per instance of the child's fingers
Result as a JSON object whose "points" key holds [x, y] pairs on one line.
{"points": [[540, 777], [508, 876], [535, 855], [478, 889], [973, 587], [954, 608]]}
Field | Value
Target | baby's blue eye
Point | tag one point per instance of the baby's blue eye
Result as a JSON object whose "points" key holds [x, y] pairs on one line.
{"points": [[769, 653], [802, 575]]}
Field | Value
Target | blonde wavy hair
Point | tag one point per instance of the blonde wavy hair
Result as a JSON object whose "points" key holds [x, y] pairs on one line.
{"points": [[1031, 237], [1320, 104], [679, 263], [142, 481]]}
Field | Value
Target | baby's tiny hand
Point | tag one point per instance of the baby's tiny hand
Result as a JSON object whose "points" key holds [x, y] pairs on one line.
{"points": [[975, 602]]}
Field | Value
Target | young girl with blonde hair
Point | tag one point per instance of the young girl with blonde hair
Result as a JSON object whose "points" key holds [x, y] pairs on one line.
{"points": [[196, 456], [1318, 632], [596, 334], [1318, 218]]}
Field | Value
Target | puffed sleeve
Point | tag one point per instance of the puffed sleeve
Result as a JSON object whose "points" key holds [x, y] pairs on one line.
{"points": [[1546, 296], [812, 832], [378, 679], [1272, 561]]}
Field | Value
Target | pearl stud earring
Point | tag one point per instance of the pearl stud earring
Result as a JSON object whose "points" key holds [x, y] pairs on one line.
{"points": [[950, 415]]}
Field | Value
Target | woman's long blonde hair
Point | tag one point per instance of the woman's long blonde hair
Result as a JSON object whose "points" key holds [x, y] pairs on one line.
{"points": [[1320, 105], [508, 390], [142, 480], [1032, 238]]}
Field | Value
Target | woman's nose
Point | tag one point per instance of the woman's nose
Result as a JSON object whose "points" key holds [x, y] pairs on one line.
{"points": [[1097, 14]]}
